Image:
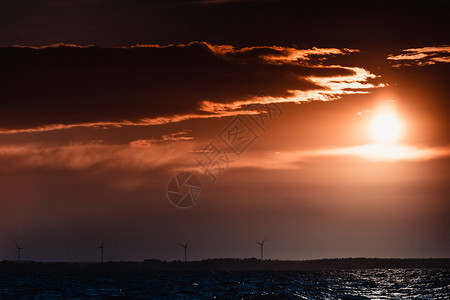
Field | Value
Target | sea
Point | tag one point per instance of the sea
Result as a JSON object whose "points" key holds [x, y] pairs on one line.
{"points": [[338, 284]]}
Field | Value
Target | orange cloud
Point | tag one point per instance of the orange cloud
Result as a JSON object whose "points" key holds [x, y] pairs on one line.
{"points": [[424, 56], [134, 156], [57, 45], [288, 74], [381, 152], [273, 54], [177, 136], [286, 160], [331, 88]]}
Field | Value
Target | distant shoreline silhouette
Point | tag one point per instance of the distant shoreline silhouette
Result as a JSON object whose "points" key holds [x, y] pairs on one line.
{"points": [[226, 264]]}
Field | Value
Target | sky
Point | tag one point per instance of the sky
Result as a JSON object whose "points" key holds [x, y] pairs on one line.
{"points": [[322, 128]]}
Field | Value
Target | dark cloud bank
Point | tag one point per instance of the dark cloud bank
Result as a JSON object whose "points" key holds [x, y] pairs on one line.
{"points": [[336, 23], [72, 85]]}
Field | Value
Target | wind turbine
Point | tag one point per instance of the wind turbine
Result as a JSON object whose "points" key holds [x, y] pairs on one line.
{"points": [[261, 244], [185, 247], [18, 252], [101, 248]]}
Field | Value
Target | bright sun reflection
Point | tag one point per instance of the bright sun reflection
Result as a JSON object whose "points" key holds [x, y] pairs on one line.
{"points": [[386, 126]]}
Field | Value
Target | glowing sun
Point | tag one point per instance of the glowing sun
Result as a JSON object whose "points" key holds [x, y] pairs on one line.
{"points": [[386, 126]]}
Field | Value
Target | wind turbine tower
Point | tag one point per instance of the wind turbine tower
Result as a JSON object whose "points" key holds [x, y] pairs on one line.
{"points": [[185, 250], [18, 252], [261, 244], [101, 247]]}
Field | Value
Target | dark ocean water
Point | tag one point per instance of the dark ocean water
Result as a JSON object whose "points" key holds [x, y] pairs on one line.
{"points": [[342, 284]]}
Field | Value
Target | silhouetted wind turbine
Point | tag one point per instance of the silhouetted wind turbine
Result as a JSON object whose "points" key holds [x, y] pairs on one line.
{"points": [[101, 248], [261, 244], [18, 252], [185, 247]]}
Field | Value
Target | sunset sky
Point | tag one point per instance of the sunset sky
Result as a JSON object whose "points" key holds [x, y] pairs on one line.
{"points": [[339, 110]]}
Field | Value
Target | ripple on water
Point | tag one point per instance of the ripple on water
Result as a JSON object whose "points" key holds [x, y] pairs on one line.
{"points": [[342, 284]]}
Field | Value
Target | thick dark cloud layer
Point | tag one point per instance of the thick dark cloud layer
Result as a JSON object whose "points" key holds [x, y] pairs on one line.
{"points": [[337, 23], [72, 85]]}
